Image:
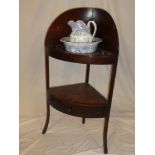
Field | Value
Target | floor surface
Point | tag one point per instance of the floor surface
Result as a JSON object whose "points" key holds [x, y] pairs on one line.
{"points": [[66, 135]]}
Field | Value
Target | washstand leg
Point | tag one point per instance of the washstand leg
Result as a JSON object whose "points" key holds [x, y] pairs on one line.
{"points": [[105, 134], [47, 119], [83, 120]]}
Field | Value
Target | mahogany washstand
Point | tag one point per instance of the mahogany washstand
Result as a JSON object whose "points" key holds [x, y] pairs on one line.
{"points": [[81, 99]]}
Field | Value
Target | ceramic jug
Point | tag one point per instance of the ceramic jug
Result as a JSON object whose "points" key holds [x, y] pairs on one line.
{"points": [[81, 32]]}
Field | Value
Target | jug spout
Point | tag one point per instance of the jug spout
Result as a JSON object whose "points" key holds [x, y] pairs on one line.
{"points": [[72, 24]]}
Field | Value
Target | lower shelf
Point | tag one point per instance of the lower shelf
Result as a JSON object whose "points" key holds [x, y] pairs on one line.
{"points": [[80, 100]]}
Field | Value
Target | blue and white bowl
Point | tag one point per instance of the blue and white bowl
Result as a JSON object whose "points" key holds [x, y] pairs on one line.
{"points": [[76, 47]]}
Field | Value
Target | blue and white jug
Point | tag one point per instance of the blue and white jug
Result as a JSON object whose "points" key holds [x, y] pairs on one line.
{"points": [[81, 32]]}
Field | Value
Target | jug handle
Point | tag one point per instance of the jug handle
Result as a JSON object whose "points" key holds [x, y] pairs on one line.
{"points": [[95, 28]]}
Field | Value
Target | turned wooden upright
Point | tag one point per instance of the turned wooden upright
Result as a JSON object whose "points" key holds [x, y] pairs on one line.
{"points": [[81, 99]]}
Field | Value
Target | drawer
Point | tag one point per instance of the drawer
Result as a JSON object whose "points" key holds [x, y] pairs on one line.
{"points": [[81, 110]]}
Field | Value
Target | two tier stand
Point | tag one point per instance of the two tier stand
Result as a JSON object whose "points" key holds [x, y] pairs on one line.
{"points": [[81, 99]]}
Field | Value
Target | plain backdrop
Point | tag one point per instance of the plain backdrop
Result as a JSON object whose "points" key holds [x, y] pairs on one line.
{"points": [[35, 18]]}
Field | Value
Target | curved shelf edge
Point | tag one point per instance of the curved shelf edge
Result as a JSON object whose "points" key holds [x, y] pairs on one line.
{"points": [[98, 57]]}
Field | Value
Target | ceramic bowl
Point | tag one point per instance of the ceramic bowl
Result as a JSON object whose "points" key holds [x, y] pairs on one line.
{"points": [[76, 47]]}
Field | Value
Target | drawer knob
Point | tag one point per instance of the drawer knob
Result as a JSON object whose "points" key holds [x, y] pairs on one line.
{"points": [[70, 109]]}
